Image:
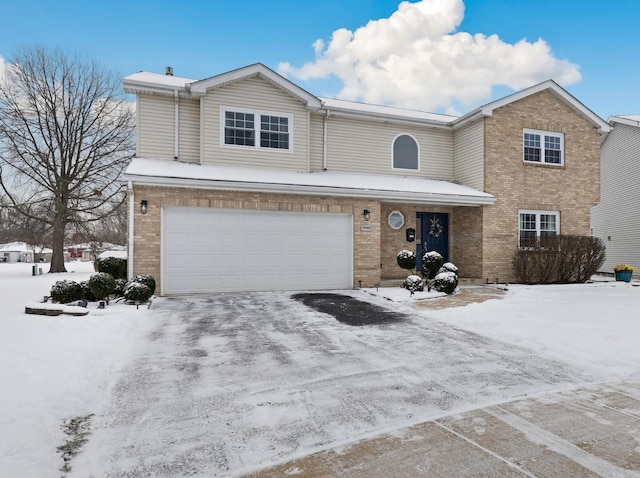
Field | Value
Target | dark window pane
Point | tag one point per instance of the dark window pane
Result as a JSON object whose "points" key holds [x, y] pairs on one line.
{"points": [[405, 153]]}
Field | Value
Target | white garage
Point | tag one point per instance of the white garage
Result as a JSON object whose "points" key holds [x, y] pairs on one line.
{"points": [[227, 250]]}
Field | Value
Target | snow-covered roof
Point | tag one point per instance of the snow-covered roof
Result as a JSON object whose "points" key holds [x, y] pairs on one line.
{"points": [[345, 106], [330, 183], [120, 254], [150, 83], [21, 247], [147, 82]]}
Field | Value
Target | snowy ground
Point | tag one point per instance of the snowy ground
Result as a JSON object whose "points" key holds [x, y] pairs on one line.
{"points": [[212, 386], [54, 368]]}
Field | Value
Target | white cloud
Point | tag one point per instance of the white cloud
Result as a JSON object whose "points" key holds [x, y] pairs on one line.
{"points": [[416, 59]]}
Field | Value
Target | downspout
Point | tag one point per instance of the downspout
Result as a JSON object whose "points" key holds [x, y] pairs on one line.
{"points": [[176, 124], [324, 141], [131, 231]]}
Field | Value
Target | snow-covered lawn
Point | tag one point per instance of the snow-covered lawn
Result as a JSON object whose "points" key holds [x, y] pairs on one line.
{"points": [[54, 368], [595, 326]]}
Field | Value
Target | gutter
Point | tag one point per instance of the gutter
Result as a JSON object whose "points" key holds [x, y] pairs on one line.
{"points": [[324, 140], [176, 111]]}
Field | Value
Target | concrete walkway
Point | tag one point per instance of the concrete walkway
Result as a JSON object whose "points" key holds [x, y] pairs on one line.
{"points": [[587, 432]]}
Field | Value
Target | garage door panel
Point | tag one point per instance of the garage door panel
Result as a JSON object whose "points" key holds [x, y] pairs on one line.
{"points": [[218, 250]]}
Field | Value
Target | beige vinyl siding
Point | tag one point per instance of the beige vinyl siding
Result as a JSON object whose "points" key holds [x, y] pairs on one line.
{"points": [[254, 94], [468, 155], [366, 146], [316, 140], [618, 214], [155, 128], [189, 130]]}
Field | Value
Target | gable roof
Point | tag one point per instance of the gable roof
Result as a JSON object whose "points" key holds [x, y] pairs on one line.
{"points": [[257, 69], [487, 110]]}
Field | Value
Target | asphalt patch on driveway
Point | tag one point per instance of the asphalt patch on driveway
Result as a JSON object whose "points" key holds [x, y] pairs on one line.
{"points": [[349, 310]]}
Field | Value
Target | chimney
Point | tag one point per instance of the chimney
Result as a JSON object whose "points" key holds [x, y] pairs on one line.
{"points": [[169, 71]]}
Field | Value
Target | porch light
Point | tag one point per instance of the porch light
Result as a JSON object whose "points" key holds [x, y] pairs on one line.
{"points": [[366, 214], [143, 206]]}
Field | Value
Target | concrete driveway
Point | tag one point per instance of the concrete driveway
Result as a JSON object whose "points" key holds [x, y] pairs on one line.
{"points": [[231, 384]]}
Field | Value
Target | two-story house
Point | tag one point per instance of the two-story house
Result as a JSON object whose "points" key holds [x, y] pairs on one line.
{"points": [[245, 181], [615, 219]]}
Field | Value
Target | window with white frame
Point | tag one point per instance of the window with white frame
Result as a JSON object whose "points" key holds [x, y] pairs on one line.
{"points": [[533, 225], [543, 147], [405, 152], [256, 129]]}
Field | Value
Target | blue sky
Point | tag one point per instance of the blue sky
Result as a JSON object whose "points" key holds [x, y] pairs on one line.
{"points": [[421, 58]]}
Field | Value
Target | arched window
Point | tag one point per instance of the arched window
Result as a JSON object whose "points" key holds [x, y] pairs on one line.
{"points": [[405, 152]]}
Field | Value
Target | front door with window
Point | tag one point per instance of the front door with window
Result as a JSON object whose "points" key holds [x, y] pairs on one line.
{"points": [[433, 229]]}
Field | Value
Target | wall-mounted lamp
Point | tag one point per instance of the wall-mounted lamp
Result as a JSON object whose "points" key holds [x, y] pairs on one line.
{"points": [[366, 214], [143, 206]]}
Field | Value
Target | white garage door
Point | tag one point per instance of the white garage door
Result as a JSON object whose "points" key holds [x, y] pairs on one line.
{"points": [[225, 250]]}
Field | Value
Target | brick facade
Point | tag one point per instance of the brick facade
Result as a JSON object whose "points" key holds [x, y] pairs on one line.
{"points": [[570, 189], [147, 227]]}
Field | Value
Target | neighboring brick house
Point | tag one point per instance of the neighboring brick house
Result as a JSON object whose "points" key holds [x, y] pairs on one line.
{"points": [[615, 219], [245, 181]]}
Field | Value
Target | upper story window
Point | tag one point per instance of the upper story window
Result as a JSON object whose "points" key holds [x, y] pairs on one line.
{"points": [[543, 147], [536, 224], [256, 129], [405, 152]]}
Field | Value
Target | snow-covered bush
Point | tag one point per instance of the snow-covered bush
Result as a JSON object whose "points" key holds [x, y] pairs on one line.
{"points": [[406, 259], [115, 266], [431, 263], [102, 285], [121, 285], [414, 283], [86, 291], [449, 267], [65, 291], [137, 291], [147, 280], [445, 282]]}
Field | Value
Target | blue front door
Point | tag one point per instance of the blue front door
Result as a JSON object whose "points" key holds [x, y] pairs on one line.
{"points": [[433, 230]]}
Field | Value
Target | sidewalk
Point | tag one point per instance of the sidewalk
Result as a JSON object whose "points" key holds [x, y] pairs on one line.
{"points": [[587, 432]]}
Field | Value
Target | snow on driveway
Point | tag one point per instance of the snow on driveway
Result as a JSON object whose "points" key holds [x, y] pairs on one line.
{"points": [[232, 383]]}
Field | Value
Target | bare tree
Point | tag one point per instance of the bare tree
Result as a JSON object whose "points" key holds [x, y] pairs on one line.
{"points": [[66, 133]]}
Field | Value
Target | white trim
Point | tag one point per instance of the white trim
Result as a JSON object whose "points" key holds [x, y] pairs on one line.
{"points": [[542, 135], [257, 120], [393, 143], [623, 120]]}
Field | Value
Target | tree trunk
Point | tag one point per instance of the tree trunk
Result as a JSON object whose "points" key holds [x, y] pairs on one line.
{"points": [[57, 258]]}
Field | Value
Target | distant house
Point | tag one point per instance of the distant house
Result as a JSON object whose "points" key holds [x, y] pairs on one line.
{"points": [[615, 220], [22, 252], [245, 181]]}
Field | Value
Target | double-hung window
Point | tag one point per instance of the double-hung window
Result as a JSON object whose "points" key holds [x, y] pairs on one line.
{"points": [[533, 225], [543, 147], [256, 129]]}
